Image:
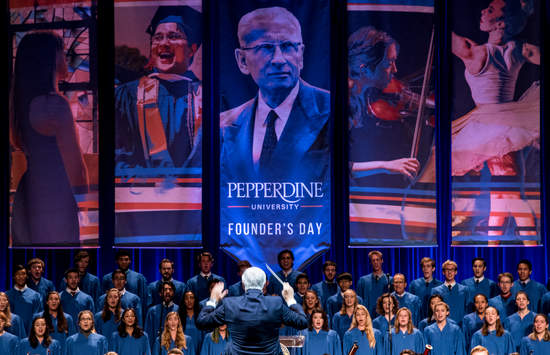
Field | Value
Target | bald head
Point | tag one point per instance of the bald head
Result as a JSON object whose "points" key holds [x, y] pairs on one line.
{"points": [[256, 23], [253, 279]]}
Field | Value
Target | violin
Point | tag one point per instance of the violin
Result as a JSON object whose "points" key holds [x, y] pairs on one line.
{"points": [[396, 102]]}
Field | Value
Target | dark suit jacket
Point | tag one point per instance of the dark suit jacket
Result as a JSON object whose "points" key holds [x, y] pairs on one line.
{"points": [[303, 145], [253, 321]]}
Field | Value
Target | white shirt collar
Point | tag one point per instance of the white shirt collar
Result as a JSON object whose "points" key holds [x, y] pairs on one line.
{"points": [[71, 291], [450, 283], [526, 281], [122, 292], [479, 279], [260, 126], [20, 289], [428, 280], [286, 273], [205, 275]]}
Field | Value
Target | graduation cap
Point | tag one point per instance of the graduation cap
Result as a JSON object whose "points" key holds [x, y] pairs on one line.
{"points": [[188, 20]]}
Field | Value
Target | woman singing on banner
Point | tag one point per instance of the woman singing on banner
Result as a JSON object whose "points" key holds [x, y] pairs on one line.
{"points": [[499, 127], [42, 126]]}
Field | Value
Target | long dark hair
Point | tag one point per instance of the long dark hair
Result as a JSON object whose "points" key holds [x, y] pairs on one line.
{"points": [[34, 75], [106, 312], [62, 324], [325, 319], [137, 333], [33, 340], [183, 311]]}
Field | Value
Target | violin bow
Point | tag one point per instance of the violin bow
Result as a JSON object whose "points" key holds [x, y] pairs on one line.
{"points": [[423, 94]]}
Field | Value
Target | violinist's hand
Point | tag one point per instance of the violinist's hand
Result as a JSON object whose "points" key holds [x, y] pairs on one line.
{"points": [[405, 166]]}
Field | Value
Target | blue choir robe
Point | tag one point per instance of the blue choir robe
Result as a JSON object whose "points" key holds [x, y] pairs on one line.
{"points": [[449, 341], [412, 302], [502, 345], [129, 345], [189, 343], [105, 328], [192, 330], [341, 323], [8, 343], [128, 300], [381, 323], [299, 298], [43, 287], [545, 303], [88, 284], [426, 322], [199, 285], [322, 342], [370, 288], [487, 287], [25, 348], [211, 348], [471, 324], [334, 304], [135, 283], [518, 327], [505, 307], [154, 321], [25, 304], [457, 299], [153, 292], [535, 290], [79, 344], [356, 336], [423, 290], [275, 288], [236, 289], [534, 347], [61, 337], [325, 290], [75, 304], [17, 326], [403, 340]]}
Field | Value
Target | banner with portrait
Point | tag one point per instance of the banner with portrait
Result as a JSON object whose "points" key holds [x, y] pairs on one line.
{"points": [[53, 124], [392, 190], [158, 123], [274, 79], [495, 133]]}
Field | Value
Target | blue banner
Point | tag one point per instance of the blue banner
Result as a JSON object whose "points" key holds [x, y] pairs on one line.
{"points": [[275, 130], [392, 194], [158, 122]]}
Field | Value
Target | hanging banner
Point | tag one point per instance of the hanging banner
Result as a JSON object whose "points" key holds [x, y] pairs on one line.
{"points": [[275, 129], [158, 108], [54, 125], [392, 189], [496, 122]]}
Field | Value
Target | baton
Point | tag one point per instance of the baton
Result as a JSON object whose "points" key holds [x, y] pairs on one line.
{"points": [[274, 274]]}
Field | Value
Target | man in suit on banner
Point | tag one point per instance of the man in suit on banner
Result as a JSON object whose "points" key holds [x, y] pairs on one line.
{"points": [[283, 131], [253, 320]]}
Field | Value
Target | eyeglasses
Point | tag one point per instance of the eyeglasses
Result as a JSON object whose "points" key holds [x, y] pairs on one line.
{"points": [[286, 47], [170, 36]]}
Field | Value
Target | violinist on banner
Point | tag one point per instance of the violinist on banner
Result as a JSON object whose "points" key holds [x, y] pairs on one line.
{"points": [[372, 64]]}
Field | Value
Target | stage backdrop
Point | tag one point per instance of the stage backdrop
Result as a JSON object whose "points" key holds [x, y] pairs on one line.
{"points": [[158, 123], [496, 123], [392, 191], [54, 149], [275, 129]]}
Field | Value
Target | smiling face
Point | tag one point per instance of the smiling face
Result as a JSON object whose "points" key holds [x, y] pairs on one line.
{"points": [[310, 299], [123, 262], [491, 17], [540, 324], [170, 50], [3, 302], [450, 273], [20, 278]]}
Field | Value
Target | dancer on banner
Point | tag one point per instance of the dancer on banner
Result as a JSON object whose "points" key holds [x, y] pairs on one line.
{"points": [[496, 131], [43, 127]]}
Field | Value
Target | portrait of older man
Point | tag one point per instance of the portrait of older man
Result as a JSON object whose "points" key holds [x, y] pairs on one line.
{"points": [[283, 131]]}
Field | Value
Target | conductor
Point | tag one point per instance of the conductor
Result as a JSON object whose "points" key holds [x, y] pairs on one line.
{"points": [[253, 319]]}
